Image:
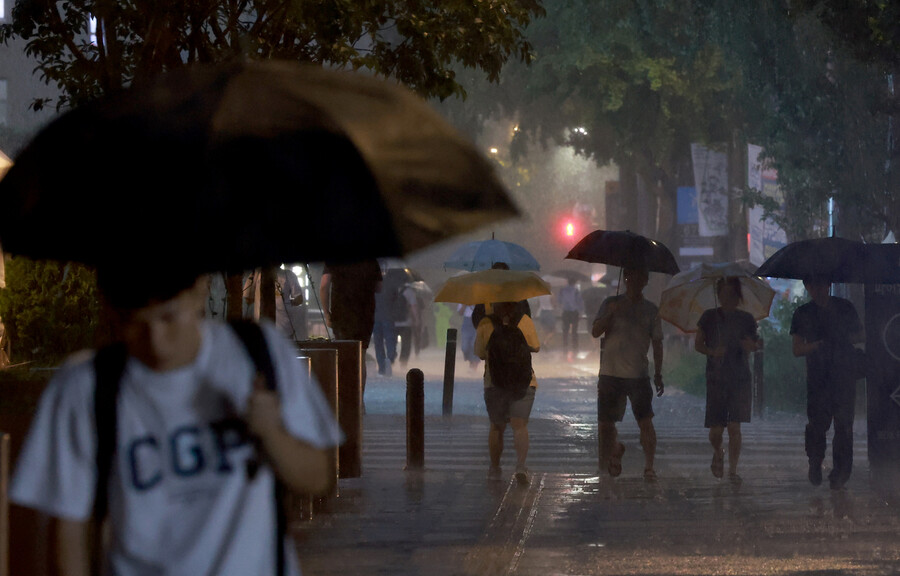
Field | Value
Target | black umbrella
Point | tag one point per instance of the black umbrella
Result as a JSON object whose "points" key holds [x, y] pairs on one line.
{"points": [[835, 259], [625, 249], [235, 166]]}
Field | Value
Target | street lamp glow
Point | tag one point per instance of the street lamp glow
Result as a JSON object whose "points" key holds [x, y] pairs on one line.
{"points": [[493, 150]]}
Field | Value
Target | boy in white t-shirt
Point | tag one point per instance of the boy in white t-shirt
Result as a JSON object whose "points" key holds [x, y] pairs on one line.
{"points": [[181, 499]]}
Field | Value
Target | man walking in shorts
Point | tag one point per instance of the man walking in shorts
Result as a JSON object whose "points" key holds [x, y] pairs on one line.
{"points": [[630, 325], [505, 406]]}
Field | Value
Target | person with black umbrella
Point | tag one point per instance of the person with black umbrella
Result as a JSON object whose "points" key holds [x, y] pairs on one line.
{"points": [[630, 325], [824, 332], [176, 439]]}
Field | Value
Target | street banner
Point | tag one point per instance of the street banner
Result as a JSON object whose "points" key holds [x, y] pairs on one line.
{"points": [[766, 237], [711, 181], [883, 376]]}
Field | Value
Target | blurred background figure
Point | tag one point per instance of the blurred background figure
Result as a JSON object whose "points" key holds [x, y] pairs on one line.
{"points": [[467, 336], [407, 321], [572, 307], [546, 320], [289, 302]]}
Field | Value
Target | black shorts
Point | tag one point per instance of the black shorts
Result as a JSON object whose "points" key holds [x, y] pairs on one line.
{"points": [[613, 393], [501, 405], [727, 400]]}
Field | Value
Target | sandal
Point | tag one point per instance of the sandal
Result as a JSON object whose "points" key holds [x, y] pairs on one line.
{"points": [[615, 461], [718, 464], [649, 475]]}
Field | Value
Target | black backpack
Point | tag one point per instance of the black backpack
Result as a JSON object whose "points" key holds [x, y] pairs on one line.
{"points": [[109, 364], [397, 305], [509, 357]]}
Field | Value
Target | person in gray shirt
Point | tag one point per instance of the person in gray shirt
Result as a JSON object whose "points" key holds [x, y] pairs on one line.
{"points": [[630, 324]]}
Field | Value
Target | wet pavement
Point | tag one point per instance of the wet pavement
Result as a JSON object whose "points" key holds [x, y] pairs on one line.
{"points": [[451, 519]]}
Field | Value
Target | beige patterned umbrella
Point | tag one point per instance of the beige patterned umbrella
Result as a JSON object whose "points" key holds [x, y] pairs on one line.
{"points": [[691, 292]]}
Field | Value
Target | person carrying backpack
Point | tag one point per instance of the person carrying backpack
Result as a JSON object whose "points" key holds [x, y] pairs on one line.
{"points": [[195, 434], [505, 340]]}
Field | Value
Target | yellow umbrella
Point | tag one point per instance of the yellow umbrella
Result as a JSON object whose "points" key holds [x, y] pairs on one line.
{"points": [[486, 286], [692, 292]]}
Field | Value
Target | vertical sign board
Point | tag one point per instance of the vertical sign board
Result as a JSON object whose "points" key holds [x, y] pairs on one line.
{"points": [[883, 377]]}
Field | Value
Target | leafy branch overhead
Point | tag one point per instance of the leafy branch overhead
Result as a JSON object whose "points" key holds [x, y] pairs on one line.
{"points": [[418, 42]]}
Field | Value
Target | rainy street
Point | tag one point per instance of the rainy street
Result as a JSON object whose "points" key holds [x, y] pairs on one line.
{"points": [[451, 519]]}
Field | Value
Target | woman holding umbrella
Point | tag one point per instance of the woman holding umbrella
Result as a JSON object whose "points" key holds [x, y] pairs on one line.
{"points": [[727, 335]]}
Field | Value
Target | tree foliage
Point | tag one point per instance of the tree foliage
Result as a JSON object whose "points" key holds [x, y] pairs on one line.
{"points": [[810, 81], [92, 48], [417, 42], [48, 309]]}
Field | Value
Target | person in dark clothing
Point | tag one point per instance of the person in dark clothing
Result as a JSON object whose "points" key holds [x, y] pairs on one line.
{"points": [[347, 293], [824, 332], [727, 336]]}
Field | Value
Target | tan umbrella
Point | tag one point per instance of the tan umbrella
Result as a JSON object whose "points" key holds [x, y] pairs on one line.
{"points": [[488, 286], [692, 292]]}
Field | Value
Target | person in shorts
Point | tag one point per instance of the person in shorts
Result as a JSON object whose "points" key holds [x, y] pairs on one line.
{"points": [[630, 325], [727, 336], [502, 407]]}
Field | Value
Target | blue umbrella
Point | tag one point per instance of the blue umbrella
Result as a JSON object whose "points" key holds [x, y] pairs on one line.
{"points": [[482, 254]]}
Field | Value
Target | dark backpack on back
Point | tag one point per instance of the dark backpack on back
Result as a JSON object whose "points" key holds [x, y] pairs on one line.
{"points": [[109, 365], [509, 357], [399, 307]]}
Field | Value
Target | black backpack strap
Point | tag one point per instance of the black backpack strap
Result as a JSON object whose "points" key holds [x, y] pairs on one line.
{"points": [[252, 336], [109, 365]]}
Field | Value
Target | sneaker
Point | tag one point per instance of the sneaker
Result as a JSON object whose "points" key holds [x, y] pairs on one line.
{"points": [[815, 473], [522, 475]]}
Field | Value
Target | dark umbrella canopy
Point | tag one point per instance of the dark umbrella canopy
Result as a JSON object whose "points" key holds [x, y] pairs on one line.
{"points": [[625, 249], [242, 165], [835, 259]]}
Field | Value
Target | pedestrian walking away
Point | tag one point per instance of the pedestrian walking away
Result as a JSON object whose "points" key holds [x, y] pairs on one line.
{"points": [[347, 293], [175, 439], [288, 302], [505, 340], [630, 325], [467, 334], [824, 331], [572, 306], [727, 336], [408, 325], [389, 308]]}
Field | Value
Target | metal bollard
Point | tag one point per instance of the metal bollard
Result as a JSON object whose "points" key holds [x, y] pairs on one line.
{"points": [[449, 371], [415, 419]]}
